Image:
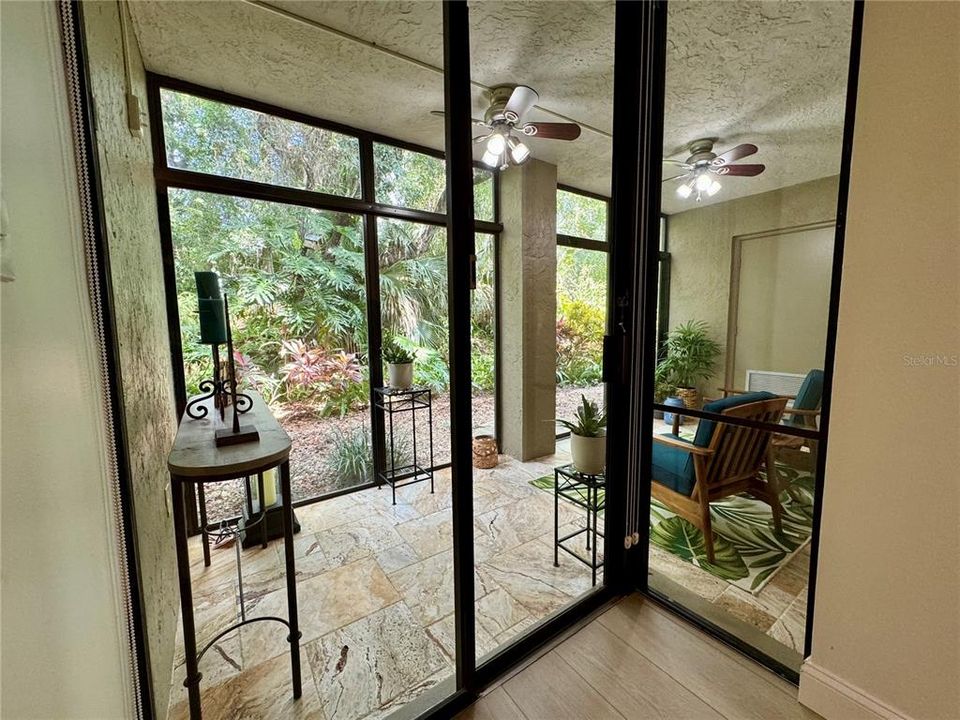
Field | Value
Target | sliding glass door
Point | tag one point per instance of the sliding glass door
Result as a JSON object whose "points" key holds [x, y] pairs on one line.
{"points": [[751, 164]]}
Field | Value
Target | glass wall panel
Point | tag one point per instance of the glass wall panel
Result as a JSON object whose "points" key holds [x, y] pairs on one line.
{"points": [[294, 279], [581, 216], [750, 195], [581, 325], [413, 310], [483, 338], [558, 61], [212, 137]]}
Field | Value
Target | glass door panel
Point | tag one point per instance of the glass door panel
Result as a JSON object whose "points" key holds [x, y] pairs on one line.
{"points": [[524, 76], [746, 268]]}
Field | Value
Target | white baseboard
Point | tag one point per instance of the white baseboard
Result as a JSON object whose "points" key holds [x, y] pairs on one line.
{"points": [[836, 699]]}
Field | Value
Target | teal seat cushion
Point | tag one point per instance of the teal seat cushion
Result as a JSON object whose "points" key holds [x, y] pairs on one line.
{"points": [[673, 467], [808, 396]]}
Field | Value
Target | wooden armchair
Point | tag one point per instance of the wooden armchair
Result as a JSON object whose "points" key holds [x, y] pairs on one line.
{"points": [[722, 460]]}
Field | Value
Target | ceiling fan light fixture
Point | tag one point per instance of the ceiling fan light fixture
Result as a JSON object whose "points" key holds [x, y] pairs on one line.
{"points": [[703, 182], [490, 159], [714, 188], [519, 152], [496, 144], [684, 190]]}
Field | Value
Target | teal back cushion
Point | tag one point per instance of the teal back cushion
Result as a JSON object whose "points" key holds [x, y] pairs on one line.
{"points": [[706, 427], [673, 467], [808, 396]]}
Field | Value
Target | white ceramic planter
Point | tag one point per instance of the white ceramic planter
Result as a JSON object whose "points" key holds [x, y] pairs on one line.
{"points": [[400, 376], [589, 453]]}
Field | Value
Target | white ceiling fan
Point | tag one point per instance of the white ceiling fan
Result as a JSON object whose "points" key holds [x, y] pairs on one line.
{"points": [[505, 129]]}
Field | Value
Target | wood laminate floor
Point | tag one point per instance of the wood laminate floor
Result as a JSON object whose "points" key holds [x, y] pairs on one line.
{"points": [[638, 661]]}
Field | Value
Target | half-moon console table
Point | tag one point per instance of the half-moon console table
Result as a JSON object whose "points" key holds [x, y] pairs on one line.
{"points": [[195, 458]]}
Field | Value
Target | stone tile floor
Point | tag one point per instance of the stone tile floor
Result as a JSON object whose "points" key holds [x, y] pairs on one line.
{"points": [[375, 595]]}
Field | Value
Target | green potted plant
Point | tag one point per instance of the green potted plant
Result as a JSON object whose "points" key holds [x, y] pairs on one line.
{"points": [[691, 358], [399, 365], [588, 437]]}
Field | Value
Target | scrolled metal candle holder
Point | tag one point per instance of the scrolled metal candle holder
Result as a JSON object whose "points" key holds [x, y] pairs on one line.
{"points": [[214, 314]]}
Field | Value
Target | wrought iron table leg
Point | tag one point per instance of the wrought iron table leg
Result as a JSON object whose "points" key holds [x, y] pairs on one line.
{"points": [[192, 681], [556, 519], [202, 497], [294, 638], [593, 505]]}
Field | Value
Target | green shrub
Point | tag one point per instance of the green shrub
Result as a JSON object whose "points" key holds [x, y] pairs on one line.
{"points": [[351, 459]]}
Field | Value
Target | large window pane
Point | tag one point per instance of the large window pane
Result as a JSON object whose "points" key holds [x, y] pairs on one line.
{"points": [[581, 325], [409, 179], [483, 329], [413, 307], [581, 216], [405, 178], [294, 278], [211, 137]]}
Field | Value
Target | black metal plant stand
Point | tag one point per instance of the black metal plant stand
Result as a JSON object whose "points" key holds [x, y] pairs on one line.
{"points": [[582, 490], [392, 402]]}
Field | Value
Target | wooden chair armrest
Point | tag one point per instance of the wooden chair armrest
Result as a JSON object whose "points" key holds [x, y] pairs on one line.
{"points": [[673, 442], [805, 413]]}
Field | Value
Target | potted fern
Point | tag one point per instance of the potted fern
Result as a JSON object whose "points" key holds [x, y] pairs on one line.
{"points": [[588, 437], [691, 358], [399, 365]]}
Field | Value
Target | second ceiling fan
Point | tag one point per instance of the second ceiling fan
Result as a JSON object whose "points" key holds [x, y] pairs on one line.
{"points": [[703, 167]]}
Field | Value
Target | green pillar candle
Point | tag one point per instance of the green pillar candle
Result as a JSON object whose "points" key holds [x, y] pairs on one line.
{"points": [[213, 325]]}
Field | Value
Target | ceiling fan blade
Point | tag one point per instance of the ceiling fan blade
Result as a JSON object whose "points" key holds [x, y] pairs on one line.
{"points": [[552, 131], [740, 151], [742, 170], [676, 177], [681, 163], [521, 100]]}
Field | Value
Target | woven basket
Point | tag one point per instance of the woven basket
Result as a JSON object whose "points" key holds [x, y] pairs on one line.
{"points": [[484, 452], [690, 397]]}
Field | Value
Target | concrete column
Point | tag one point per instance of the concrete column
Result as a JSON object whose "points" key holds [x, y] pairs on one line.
{"points": [[528, 277]]}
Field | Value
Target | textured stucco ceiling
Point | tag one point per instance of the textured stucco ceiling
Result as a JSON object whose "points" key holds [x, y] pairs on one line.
{"points": [[772, 73]]}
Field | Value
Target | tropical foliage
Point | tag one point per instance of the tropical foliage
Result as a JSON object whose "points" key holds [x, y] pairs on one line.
{"points": [[295, 276]]}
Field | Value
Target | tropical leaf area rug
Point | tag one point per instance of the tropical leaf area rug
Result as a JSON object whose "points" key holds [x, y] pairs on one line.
{"points": [[747, 550]]}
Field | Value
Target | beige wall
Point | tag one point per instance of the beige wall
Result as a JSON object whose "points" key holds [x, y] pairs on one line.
{"points": [[886, 636], [62, 620], [783, 299], [129, 200], [701, 241]]}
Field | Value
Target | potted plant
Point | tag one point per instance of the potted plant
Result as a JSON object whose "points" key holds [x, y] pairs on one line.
{"points": [[588, 437], [691, 358], [662, 387], [399, 365]]}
